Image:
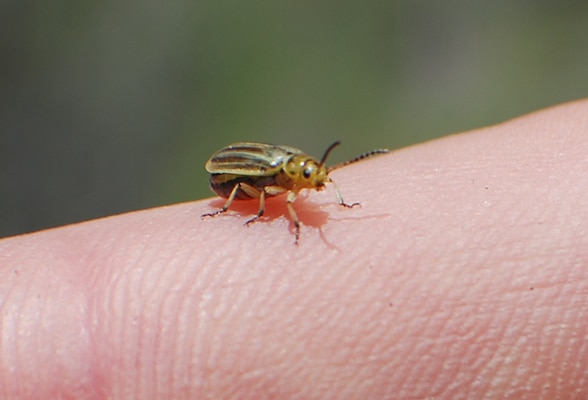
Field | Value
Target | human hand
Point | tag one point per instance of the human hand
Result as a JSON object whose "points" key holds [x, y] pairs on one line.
{"points": [[463, 275]]}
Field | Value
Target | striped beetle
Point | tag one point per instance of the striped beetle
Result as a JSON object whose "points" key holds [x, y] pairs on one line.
{"points": [[247, 170]]}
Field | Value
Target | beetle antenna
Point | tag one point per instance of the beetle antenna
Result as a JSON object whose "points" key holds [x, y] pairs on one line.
{"points": [[331, 147], [359, 158]]}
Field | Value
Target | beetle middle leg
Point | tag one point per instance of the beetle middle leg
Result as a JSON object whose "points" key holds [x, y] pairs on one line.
{"points": [[267, 190], [260, 210]]}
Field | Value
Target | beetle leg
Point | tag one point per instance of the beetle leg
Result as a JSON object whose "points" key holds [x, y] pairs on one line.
{"points": [[227, 204], [340, 198], [269, 190], [274, 190], [251, 192], [289, 200], [260, 210]]}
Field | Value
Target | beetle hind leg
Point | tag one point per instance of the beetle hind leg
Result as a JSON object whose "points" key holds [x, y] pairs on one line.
{"points": [[225, 206], [248, 189]]}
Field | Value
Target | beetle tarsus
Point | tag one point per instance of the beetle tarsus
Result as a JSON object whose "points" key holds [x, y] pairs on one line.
{"points": [[212, 214], [252, 220], [259, 213], [350, 205]]}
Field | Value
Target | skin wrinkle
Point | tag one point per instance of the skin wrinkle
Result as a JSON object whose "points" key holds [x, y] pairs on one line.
{"points": [[180, 376], [155, 307], [162, 294], [125, 306], [199, 364], [173, 327]]}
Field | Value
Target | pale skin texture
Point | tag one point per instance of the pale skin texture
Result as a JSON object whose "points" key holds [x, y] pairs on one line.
{"points": [[463, 275]]}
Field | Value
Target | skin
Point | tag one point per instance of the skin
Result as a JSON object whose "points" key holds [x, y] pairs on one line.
{"points": [[462, 275]]}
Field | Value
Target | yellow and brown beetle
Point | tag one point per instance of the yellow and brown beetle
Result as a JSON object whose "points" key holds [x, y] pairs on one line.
{"points": [[249, 170]]}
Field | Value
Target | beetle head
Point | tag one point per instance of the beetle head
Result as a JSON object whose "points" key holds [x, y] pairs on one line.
{"points": [[306, 173]]}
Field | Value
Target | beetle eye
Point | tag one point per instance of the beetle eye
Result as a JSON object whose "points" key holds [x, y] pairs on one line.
{"points": [[307, 173]]}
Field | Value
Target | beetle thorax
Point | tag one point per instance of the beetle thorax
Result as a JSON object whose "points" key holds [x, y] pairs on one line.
{"points": [[304, 172]]}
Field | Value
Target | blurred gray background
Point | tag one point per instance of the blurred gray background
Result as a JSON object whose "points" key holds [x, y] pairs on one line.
{"points": [[112, 106]]}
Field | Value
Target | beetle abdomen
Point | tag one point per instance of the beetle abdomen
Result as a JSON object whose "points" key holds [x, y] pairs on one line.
{"points": [[223, 184]]}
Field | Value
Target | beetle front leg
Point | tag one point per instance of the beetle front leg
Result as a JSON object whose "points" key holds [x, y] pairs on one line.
{"points": [[289, 200], [340, 198]]}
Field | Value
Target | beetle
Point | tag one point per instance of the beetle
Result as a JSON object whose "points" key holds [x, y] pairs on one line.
{"points": [[248, 170]]}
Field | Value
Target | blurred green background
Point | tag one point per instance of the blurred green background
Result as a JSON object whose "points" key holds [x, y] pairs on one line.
{"points": [[113, 106]]}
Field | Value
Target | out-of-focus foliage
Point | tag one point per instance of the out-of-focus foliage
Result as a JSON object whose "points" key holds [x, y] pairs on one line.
{"points": [[113, 106]]}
